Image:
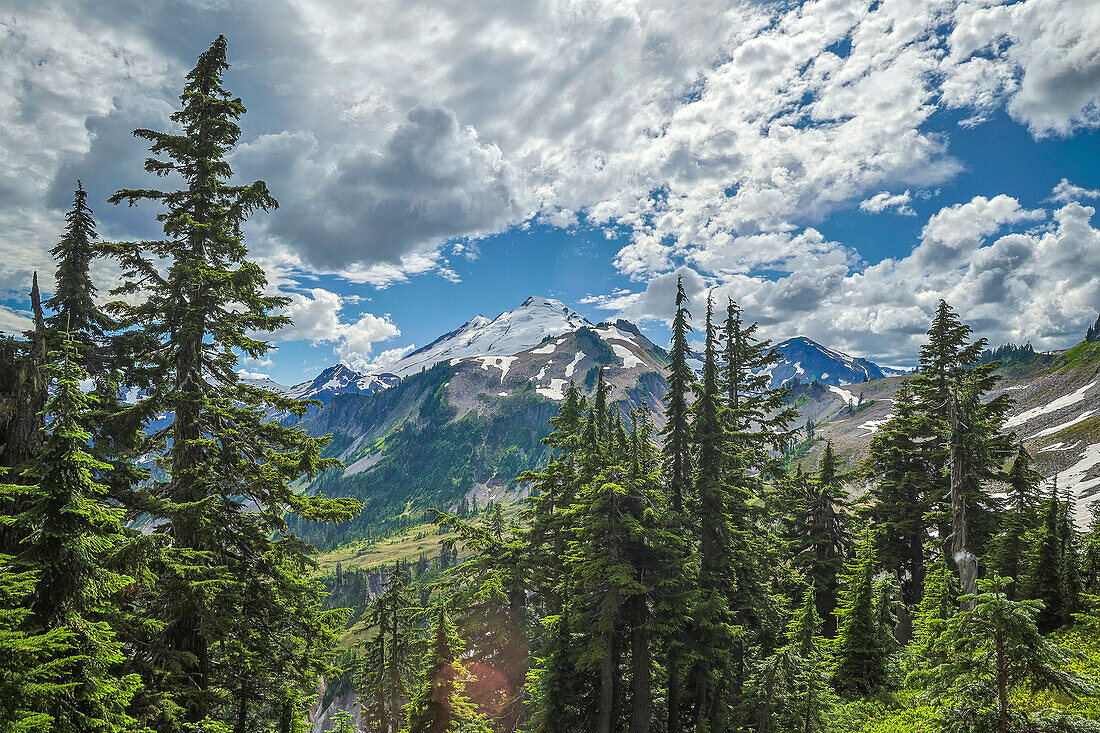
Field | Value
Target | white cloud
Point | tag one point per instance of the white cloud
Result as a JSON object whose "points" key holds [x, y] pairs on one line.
{"points": [[884, 200], [14, 322], [705, 137], [955, 232], [1039, 284], [59, 72], [1066, 192], [244, 374], [1043, 56], [316, 318], [382, 361]]}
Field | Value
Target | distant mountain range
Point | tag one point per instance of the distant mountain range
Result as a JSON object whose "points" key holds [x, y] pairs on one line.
{"points": [[498, 340], [464, 415], [808, 361]]}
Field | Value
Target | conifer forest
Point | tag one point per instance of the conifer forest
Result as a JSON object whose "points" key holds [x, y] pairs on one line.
{"points": [[701, 559]]}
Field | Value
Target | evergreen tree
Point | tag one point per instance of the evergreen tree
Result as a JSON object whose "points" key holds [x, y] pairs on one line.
{"points": [[1092, 335], [677, 475], [439, 704], [1022, 513], [990, 650], [1042, 580], [72, 535], [789, 690], [937, 606], [713, 630], [969, 447], [899, 465], [821, 534], [862, 650], [386, 676], [23, 392], [755, 422], [75, 313], [224, 496]]}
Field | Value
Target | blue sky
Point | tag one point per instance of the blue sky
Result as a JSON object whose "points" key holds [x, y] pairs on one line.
{"points": [[836, 166]]}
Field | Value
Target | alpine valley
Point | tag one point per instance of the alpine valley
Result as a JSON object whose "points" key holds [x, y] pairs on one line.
{"points": [[457, 421]]}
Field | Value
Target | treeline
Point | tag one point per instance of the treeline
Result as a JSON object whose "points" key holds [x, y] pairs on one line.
{"points": [[148, 580], [689, 580]]}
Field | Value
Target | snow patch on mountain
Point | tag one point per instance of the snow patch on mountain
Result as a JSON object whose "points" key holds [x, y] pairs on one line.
{"points": [[556, 390], [509, 333], [844, 394], [1053, 406], [572, 366], [503, 363], [628, 357]]}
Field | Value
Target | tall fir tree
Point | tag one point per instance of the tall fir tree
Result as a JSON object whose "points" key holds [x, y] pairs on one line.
{"points": [[713, 628], [862, 649], [822, 534], [755, 422], [75, 312], [439, 704], [1022, 513], [969, 446], [73, 536], [225, 493], [898, 464], [385, 679], [677, 475]]}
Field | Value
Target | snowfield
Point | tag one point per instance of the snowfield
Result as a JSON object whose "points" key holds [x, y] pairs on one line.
{"points": [[1059, 404]]}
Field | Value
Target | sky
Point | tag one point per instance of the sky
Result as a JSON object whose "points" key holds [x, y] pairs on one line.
{"points": [[835, 166]]}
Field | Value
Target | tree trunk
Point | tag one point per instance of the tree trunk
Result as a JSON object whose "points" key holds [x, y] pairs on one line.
{"points": [[1002, 685], [607, 689], [700, 697], [640, 672], [242, 713], [965, 560], [673, 694]]}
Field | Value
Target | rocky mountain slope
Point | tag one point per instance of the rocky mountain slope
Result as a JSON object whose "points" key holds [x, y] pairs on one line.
{"points": [[461, 418], [1056, 412], [464, 427]]}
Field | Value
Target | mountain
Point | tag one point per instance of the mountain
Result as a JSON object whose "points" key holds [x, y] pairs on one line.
{"points": [[340, 379], [809, 361], [467, 426], [1055, 412], [472, 407], [507, 334]]}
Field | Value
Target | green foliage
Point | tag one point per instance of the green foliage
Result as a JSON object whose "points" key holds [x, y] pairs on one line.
{"points": [[225, 563], [32, 665], [440, 705], [863, 644], [992, 650]]}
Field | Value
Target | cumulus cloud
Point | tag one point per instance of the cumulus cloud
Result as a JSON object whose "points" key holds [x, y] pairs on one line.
{"points": [[58, 75], [1039, 284], [316, 316], [954, 232], [884, 200], [1042, 56], [708, 138], [357, 208], [1066, 192]]}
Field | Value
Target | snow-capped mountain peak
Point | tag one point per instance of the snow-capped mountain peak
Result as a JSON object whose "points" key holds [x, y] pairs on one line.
{"points": [[808, 361], [340, 379], [509, 333]]}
